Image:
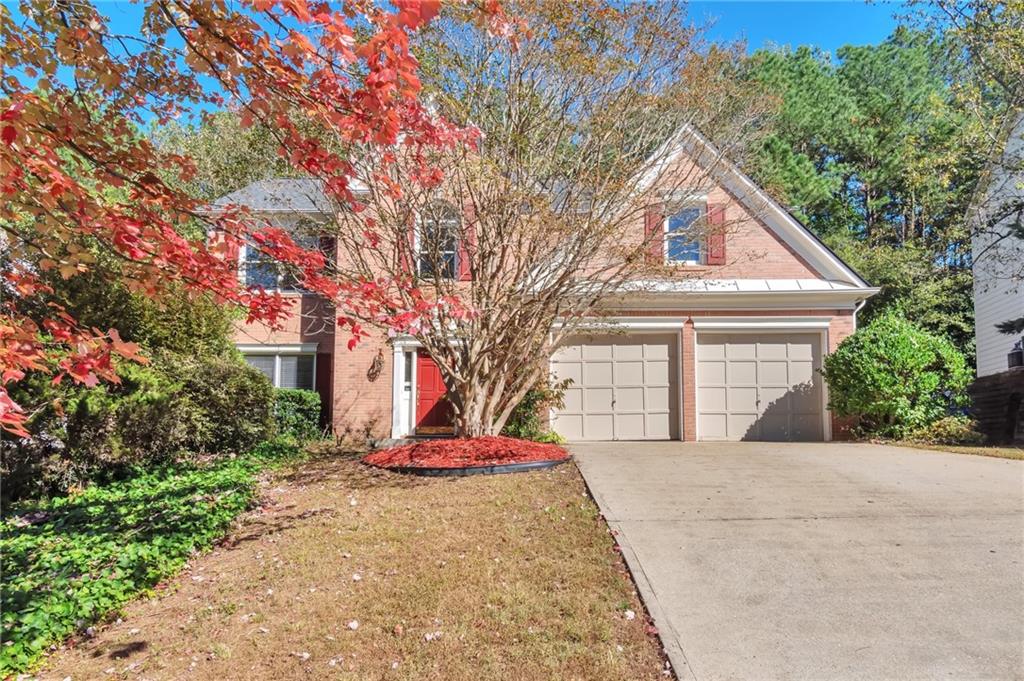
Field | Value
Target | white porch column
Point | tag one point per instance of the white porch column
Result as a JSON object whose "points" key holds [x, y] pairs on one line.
{"points": [[397, 379]]}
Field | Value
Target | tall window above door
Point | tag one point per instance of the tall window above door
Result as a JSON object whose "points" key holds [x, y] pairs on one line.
{"points": [[683, 242], [437, 242]]}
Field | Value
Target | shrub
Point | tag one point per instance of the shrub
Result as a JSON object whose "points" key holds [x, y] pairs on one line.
{"points": [[895, 377], [233, 401], [952, 430], [297, 413], [156, 415], [527, 420]]}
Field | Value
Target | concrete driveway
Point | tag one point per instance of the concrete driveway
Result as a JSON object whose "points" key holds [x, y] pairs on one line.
{"points": [[821, 561]]}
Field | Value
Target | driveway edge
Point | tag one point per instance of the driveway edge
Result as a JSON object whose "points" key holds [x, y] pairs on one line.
{"points": [[670, 638]]}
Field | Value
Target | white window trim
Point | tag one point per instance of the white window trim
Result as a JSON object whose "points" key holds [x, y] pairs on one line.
{"points": [[700, 204], [279, 351]]}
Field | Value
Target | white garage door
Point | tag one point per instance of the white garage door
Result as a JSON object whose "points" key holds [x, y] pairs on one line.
{"points": [[623, 388], [759, 387]]}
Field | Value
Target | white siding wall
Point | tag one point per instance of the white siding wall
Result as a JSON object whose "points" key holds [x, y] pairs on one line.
{"points": [[998, 266]]}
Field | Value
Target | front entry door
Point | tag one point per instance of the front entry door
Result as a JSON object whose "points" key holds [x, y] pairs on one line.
{"points": [[433, 412]]}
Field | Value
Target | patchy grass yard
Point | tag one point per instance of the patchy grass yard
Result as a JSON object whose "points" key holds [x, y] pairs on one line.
{"points": [[351, 572], [1008, 452]]}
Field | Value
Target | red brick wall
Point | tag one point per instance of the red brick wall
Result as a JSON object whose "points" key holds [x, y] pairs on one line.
{"points": [[361, 407]]}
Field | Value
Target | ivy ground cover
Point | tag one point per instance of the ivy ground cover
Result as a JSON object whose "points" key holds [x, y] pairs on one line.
{"points": [[465, 453], [69, 561], [349, 572]]}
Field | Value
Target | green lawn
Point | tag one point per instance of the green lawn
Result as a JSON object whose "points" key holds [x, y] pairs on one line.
{"points": [[68, 562]]}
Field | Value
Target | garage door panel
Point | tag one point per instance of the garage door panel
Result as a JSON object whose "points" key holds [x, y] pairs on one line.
{"points": [[742, 426], [597, 426], [627, 389], [740, 350], [629, 427], [801, 372], [773, 373], [629, 350], [597, 373], [598, 399], [659, 426], [762, 386], [571, 370], [807, 427], [713, 426], [658, 373], [774, 428], [629, 373], [654, 351], [570, 426], [573, 400], [658, 399], [711, 372], [772, 350], [629, 399], [568, 353], [741, 399], [773, 398], [741, 373]]}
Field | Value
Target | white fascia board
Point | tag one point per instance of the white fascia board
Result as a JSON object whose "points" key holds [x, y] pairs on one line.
{"points": [[759, 323], [628, 323], [767, 300], [277, 349]]}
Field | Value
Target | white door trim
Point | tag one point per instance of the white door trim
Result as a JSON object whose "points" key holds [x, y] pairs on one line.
{"points": [[765, 324]]}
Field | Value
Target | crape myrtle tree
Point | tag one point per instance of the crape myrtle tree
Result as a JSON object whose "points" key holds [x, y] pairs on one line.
{"points": [[76, 173], [540, 225]]}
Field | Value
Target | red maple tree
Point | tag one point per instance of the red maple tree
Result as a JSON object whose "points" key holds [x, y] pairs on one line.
{"points": [[76, 167]]}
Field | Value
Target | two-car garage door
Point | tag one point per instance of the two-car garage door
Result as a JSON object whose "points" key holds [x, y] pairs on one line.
{"points": [[762, 386]]}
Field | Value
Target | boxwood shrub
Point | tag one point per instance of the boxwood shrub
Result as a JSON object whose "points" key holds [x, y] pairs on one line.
{"points": [[297, 413], [896, 378]]}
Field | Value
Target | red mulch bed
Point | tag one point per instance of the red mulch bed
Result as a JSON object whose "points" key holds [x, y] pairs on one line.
{"points": [[465, 453]]}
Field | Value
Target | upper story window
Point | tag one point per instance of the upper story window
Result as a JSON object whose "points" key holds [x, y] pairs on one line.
{"points": [[437, 242], [683, 244], [260, 270]]}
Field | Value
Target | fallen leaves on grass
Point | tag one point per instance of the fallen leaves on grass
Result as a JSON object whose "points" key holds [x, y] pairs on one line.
{"points": [[465, 453]]}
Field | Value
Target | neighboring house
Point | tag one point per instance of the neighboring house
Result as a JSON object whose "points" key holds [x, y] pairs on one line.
{"points": [[998, 251], [730, 352]]}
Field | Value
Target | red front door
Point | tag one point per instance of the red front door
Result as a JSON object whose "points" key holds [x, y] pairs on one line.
{"points": [[432, 412]]}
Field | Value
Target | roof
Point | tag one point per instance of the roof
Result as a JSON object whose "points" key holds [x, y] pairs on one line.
{"points": [[282, 195], [690, 142], [741, 285]]}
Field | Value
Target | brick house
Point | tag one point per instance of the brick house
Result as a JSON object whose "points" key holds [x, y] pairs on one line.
{"points": [[728, 352]]}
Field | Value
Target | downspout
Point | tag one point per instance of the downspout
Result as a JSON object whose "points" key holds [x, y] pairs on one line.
{"points": [[856, 308]]}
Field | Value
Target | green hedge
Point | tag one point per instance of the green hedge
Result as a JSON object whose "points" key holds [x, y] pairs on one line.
{"points": [[896, 378], [69, 561], [297, 413]]}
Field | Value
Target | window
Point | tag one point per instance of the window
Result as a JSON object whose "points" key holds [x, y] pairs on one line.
{"points": [[286, 371], [438, 242], [682, 243], [263, 271]]}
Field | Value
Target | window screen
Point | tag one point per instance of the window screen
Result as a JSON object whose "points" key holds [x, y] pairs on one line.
{"points": [[297, 371], [265, 363]]}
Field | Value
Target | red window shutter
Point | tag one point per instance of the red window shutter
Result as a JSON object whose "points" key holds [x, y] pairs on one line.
{"points": [[716, 234], [467, 244], [654, 234]]}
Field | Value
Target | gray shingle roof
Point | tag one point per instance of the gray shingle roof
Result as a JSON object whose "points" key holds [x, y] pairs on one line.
{"points": [[281, 195]]}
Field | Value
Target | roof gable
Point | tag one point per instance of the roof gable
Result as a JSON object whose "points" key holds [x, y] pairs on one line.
{"points": [[688, 142]]}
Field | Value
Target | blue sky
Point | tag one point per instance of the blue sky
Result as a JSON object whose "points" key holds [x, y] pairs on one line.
{"points": [[828, 25]]}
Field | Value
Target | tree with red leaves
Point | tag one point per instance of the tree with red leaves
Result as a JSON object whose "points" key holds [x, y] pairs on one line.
{"points": [[78, 174]]}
